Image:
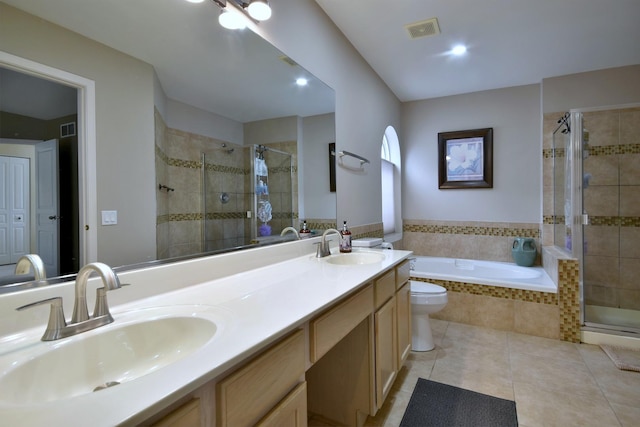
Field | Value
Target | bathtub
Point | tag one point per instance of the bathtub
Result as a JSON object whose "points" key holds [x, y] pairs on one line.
{"points": [[501, 274]]}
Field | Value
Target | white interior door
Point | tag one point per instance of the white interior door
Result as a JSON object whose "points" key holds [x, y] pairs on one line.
{"points": [[14, 208], [47, 212]]}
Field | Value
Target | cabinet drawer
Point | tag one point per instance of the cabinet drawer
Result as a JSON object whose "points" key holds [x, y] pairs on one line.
{"points": [[328, 329], [403, 271], [291, 412], [385, 287], [249, 393]]}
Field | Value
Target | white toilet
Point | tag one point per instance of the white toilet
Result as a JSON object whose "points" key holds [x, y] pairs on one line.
{"points": [[426, 298]]}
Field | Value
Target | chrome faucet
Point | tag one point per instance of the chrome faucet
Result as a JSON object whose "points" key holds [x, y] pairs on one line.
{"points": [[290, 229], [31, 261], [58, 327], [323, 246]]}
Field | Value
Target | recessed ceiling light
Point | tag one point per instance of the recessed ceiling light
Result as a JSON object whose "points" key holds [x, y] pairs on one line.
{"points": [[195, 1], [302, 81], [459, 49]]}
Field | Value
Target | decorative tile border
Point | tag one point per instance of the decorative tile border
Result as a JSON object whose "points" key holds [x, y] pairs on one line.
{"points": [[473, 230], [494, 291], [612, 221], [197, 216], [552, 219]]}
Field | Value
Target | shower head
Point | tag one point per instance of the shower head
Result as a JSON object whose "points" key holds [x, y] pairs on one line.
{"points": [[227, 150]]}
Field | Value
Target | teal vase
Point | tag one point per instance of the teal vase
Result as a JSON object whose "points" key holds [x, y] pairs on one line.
{"points": [[524, 251]]}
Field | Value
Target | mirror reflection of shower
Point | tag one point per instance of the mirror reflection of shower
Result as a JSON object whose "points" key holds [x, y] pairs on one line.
{"points": [[273, 195]]}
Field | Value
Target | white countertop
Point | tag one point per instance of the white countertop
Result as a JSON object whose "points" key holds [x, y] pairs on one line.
{"points": [[251, 309]]}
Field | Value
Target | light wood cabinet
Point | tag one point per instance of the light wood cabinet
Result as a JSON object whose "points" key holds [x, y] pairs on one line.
{"points": [[351, 353], [385, 287], [187, 415], [248, 394], [386, 362], [332, 326], [290, 412], [403, 312]]}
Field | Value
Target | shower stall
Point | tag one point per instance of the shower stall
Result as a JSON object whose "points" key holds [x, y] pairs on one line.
{"points": [[597, 212], [247, 195]]}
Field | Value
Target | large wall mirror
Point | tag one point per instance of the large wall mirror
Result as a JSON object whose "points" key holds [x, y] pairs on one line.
{"points": [[238, 151]]}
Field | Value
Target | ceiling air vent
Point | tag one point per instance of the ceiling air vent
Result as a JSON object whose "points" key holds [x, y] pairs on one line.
{"points": [[426, 28]]}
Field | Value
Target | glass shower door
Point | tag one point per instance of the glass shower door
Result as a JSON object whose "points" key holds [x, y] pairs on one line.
{"points": [[610, 254]]}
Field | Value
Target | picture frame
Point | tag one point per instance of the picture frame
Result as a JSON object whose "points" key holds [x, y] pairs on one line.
{"points": [[332, 167], [465, 159]]}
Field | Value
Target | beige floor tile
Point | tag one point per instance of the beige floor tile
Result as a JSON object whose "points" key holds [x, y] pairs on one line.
{"points": [[392, 411], [555, 374], [544, 347], [458, 334], [619, 387], [629, 416], [552, 408], [417, 366], [554, 383]]}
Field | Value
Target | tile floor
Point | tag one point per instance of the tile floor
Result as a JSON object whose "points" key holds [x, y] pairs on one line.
{"points": [[553, 383]]}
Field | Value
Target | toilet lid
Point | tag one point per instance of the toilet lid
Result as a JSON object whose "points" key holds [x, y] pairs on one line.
{"points": [[426, 288]]}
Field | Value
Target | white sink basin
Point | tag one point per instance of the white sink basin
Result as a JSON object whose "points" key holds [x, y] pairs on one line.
{"points": [[355, 258], [104, 357]]}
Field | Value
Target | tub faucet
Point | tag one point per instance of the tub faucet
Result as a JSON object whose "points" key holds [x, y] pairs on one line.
{"points": [[323, 246], [292, 230], [29, 261], [57, 326]]}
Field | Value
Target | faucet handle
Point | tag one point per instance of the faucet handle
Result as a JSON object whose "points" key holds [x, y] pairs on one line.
{"points": [[56, 317], [102, 306]]}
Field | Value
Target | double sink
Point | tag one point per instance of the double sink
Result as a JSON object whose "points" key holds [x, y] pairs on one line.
{"points": [[140, 342]]}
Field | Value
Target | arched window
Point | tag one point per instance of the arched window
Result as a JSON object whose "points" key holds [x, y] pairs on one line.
{"points": [[390, 185]]}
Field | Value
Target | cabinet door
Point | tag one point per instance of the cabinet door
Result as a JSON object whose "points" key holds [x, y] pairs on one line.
{"points": [[248, 394], [291, 412], [403, 311], [188, 415], [386, 350]]}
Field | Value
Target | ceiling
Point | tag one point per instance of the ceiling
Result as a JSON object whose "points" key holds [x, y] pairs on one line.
{"points": [[510, 42]]}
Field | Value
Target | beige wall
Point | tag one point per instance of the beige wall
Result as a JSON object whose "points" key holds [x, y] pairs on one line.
{"points": [[364, 104], [609, 87], [124, 124]]}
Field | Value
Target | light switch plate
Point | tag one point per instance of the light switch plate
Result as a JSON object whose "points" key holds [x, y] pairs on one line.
{"points": [[109, 217]]}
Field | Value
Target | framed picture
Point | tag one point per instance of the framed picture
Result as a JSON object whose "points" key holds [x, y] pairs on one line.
{"points": [[465, 159]]}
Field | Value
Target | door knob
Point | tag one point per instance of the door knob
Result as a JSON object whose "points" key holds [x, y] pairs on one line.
{"points": [[52, 217]]}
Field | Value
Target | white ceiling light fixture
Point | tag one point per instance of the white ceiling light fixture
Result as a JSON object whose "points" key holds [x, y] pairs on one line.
{"points": [[233, 12], [459, 50], [259, 9], [301, 81]]}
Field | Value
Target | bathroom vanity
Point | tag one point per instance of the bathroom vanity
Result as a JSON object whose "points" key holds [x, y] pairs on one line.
{"points": [[294, 336]]}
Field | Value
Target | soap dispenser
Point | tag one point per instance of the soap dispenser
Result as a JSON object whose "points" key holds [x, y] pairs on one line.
{"points": [[305, 233], [345, 241]]}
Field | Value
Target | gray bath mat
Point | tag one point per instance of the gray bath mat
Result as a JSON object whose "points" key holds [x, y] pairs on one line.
{"points": [[437, 404], [626, 359]]}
